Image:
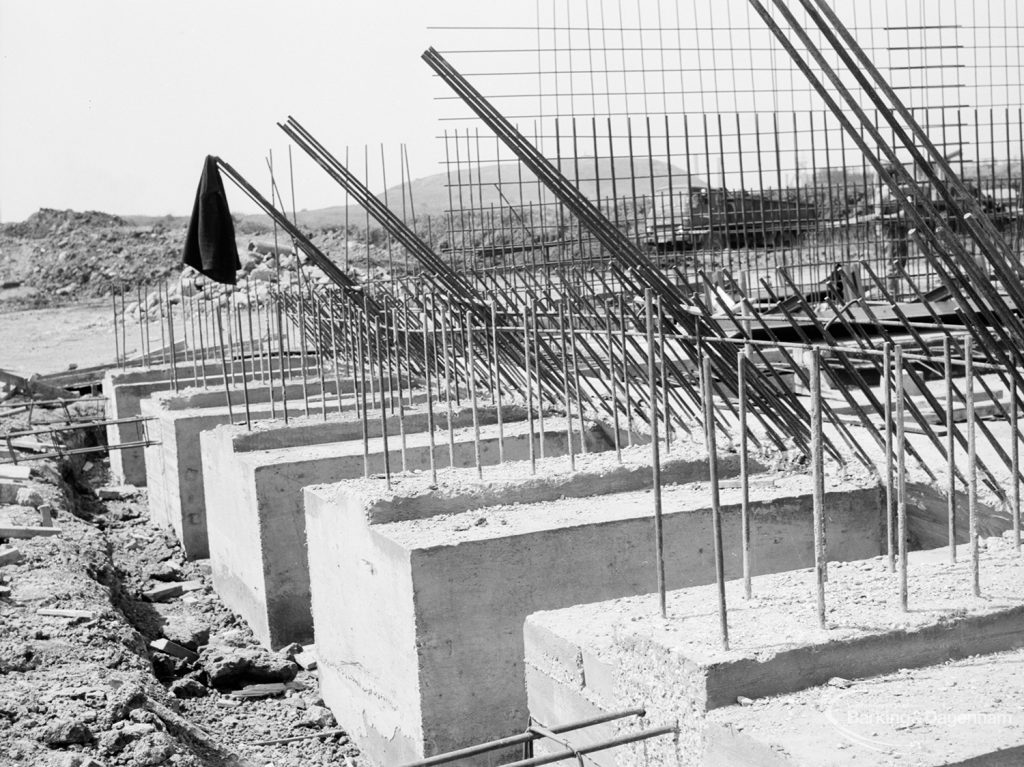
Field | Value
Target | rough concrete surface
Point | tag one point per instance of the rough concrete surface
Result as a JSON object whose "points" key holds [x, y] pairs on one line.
{"points": [[174, 469], [615, 654], [258, 498], [969, 711], [471, 578], [124, 388]]}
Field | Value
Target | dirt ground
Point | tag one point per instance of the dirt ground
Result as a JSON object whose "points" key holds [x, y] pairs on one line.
{"points": [[91, 689], [49, 340]]}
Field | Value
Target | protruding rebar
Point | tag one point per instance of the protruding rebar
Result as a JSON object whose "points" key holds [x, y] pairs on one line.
{"points": [[818, 481], [716, 507], [901, 474], [659, 536], [972, 469], [741, 391]]}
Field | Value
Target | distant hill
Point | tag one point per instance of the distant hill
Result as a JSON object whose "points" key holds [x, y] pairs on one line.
{"points": [[501, 185]]}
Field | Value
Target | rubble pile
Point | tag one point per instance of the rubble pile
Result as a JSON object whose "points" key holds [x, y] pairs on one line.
{"points": [[116, 652], [65, 254]]}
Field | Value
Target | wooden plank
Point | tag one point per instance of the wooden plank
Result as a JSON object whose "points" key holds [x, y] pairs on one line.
{"points": [[173, 648], [62, 613], [18, 531], [15, 472]]}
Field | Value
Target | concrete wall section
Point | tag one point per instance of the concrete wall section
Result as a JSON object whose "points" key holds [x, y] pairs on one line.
{"points": [[362, 596], [596, 473], [614, 655], [271, 590], [125, 389], [174, 467], [476, 575]]}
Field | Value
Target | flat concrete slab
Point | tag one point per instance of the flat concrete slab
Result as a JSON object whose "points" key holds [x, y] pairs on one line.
{"points": [[966, 712], [442, 596], [613, 655], [255, 522]]}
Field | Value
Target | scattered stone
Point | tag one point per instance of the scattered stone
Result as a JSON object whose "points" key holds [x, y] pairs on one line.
{"points": [[117, 492], [744, 701], [291, 650], [66, 732], [838, 681], [318, 717], [233, 667], [168, 667], [228, 703], [163, 593], [184, 627], [155, 748], [125, 699], [307, 659], [174, 649], [28, 496], [188, 687], [79, 760], [10, 555], [166, 571]]}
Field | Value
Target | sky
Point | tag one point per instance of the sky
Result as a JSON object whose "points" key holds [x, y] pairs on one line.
{"points": [[112, 105]]}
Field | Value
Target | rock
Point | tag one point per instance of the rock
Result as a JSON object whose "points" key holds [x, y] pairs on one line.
{"points": [[10, 555], [116, 492], [165, 571], [183, 627], [262, 274], [744, 701], [121, 702], [162, 593], [188, 687], [78, 760], [155, 748], [307, 659], [66, 732], [232, 667], [291, 650], [167, 668], [174, 649], [28, 496], [113, 742], [838, 681], [317, 717]]}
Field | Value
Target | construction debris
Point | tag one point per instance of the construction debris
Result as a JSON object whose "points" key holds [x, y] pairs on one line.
{"points": [[10, 555], [20, 531]]}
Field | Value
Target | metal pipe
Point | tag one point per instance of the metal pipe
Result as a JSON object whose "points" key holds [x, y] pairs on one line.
{"points": [[659, 539], [716, 509], [515, 740]]}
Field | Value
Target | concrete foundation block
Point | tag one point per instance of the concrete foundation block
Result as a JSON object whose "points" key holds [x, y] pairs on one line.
{"points": [[255, 521], [935, 717], [468, 576], [678, 672], [174, 468], [124, 390]]}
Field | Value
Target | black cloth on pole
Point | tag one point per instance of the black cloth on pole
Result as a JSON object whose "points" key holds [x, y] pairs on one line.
{"points": [[210, 243]]}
